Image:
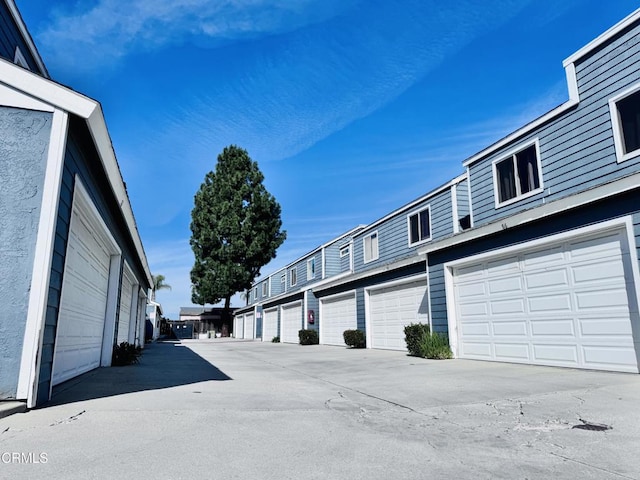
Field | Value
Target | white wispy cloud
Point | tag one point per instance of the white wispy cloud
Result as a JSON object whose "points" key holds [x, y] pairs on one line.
{"points": [[95, 35]]}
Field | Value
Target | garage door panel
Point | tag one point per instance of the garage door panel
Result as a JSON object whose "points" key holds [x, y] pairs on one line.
{"points": [[477, 350], [510, 328], [512, 351], [270, 326], [508, 284], [78, 345], [544, 258], [249, 324], [547, 279], [573, 309], [558, 327], [550, 303], [616, 358], [291, 323], [338, 314], [556, 354], [507, 307], [393, 308]]}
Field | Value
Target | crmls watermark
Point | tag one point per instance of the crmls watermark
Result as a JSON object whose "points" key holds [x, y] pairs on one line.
{"points": [[22, 457]]}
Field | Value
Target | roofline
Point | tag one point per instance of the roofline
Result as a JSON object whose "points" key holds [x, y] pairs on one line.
{"points": [[412, 204], [17, 17], [325, 245], [604, 37], [572, 84], [90, 110]]}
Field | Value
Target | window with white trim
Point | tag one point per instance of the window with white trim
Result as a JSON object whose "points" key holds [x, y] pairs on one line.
{"points": [[419, 224], [370, 247], [265, 289], [625, 117], [255, 293], [293, 276], [344, 251], [311, 268], [517, 176], [283, 282]]}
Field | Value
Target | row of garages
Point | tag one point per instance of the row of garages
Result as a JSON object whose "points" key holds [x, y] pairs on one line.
{"points": [[389, 308], [566, 300]]}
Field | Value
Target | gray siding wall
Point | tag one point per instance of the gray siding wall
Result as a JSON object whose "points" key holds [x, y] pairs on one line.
{"points": [[462, 197], [313, 303], [333, 265], [24, 140], [10, 38], [393, 234], [80, 159], [577, 150]]}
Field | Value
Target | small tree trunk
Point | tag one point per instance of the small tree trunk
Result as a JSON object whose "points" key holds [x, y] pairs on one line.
{"points": [[226, 314]]}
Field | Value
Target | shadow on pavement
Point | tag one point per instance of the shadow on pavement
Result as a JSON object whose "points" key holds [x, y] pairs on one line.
{"points": [[162, 365]]}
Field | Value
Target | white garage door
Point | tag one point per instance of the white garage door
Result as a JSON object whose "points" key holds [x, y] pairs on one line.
{"points": [[124, 317], [566, 304], [238, 326], [291, 322], [270, 324], [393, 308], [83, 302], [337, 314], [248, 325]]}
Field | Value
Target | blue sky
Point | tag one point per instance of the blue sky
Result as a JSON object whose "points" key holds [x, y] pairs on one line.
{"points": [[351, 108]]}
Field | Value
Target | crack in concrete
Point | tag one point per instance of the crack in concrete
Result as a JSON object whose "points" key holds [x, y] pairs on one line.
{"points": [[68, 420], [606, 470]]}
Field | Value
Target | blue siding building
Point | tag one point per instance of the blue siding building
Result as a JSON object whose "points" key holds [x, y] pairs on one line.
{"points": [[549, 272], [74, 274]]}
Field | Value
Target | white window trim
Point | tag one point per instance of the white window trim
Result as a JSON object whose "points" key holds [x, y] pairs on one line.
{"points": [[19, 59], [311, 268], [364, 249], [292, 271], [265, 288], [344, 250], [255, 294], [621, 155], [418, 212], [511, 153]]}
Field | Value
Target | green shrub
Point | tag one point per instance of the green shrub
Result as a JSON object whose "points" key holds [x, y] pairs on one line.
{"points": [[422, 343], [354, 338], [436, 346], [125, 354], [413, 335], [275, 340], [308, 337]]}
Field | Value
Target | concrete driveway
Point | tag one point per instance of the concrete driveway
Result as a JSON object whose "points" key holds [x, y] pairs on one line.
{"points": [[229, 409]]}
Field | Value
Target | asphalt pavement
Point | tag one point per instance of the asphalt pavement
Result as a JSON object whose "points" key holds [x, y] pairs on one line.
{"points": [[231, 409]]}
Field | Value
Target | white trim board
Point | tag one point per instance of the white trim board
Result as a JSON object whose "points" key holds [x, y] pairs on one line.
{"points": [[41, 273], [90, 110]]}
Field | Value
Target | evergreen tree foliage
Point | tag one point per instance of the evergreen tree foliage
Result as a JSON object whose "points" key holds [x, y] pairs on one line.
{"points": [[235, 228]]}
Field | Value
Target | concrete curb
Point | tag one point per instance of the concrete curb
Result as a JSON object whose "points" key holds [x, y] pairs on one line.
{"points": [[9, 408]]}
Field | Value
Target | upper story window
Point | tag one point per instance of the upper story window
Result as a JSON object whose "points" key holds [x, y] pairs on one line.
{"points": [[370, 247], [419, 224], [283, 282], [293, 276], [344, 251], [625, 119], [255, 293], [265, 289], [19, 59], [311, 268], [518, 175]]}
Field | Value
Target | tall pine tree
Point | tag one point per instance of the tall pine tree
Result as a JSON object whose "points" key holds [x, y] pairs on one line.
{"points": [[235, 229]]}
